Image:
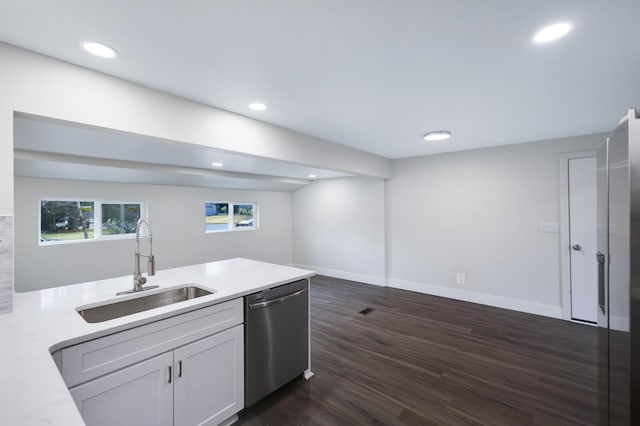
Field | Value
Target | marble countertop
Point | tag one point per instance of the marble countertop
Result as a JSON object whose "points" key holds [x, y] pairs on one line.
{"points": [[32, 391]]}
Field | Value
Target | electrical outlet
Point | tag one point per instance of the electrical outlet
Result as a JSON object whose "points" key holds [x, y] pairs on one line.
{"points": [[549, 227], [461, 278]]}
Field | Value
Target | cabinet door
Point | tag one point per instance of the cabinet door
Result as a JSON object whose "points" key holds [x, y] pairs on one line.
{"points": [[209, 384], [141, 394]]}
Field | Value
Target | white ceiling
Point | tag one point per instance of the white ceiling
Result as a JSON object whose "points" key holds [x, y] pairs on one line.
{"points": [[371, 74]]}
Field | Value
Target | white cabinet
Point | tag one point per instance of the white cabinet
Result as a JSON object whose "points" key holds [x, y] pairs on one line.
{"points": [[88, 360], [209, 384], [181, 381], [137, 395]]}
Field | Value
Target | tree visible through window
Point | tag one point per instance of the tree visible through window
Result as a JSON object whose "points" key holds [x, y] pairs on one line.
{"points": [[119, 218], [243, 215], [216, 216], [66, 220], [73, 220]]}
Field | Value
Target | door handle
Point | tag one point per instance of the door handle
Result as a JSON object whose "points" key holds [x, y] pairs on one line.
{"points": [[601, 282], [170, 373], [180, 368], [576, 247]]}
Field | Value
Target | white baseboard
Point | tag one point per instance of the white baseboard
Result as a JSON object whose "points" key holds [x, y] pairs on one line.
{"points": [[483, 299], [619, 323], [367, 279], [451, 293]]}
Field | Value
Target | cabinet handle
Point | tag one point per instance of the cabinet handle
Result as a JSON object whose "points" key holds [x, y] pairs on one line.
{"points": [[170, 374], [180, 368]]}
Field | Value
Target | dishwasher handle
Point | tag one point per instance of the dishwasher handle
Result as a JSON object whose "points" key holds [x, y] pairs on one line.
{"points": [[278, 300]]}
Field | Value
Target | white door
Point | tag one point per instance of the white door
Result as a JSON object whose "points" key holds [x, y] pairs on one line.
{"points": [[583, 239], [209, 379], [141, 394]]}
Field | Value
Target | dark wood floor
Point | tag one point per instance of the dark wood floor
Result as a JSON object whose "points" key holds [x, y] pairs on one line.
{"points": [[424, 360]]}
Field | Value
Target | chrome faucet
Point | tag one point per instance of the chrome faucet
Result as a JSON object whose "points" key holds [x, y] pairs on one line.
{"points": [[138, 279]]}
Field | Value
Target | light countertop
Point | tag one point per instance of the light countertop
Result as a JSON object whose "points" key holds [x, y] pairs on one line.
{"points": [[32, 391]]}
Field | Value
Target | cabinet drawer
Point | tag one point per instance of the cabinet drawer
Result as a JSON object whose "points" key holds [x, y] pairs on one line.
{"points": [[94, 358]]}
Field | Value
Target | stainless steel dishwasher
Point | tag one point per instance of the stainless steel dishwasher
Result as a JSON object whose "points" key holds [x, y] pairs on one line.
{"points": [[276, 338]]}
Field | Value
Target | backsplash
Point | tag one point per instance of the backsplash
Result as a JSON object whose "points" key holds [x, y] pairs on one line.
{"points": [[6, 264]]}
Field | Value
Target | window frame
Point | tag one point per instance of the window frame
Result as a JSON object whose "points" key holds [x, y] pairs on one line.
{"points": [[230, 215], [97, 220]]}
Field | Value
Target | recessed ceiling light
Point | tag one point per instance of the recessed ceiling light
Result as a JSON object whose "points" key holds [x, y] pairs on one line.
{"points": [[552, 32], [438, 135], [311, 176], [217, 164], [257, 106], [99, 49]]}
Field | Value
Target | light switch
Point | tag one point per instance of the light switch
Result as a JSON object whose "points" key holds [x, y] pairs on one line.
{"points": [[549, 227]]}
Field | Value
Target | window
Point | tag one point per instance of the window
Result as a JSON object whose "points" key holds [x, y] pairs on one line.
{"points": [[216, 216], [243, 215], [119, 219], [226, 216], [64, 221]]}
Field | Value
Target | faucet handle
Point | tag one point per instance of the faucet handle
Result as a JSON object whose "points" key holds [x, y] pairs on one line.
{"points": [[151, 266]]}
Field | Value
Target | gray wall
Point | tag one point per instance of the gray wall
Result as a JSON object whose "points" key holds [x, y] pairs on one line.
{"points": [[477, 212], [177, 218], [338, 228]]}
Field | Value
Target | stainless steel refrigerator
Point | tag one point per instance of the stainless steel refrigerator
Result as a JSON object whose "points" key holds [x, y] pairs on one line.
{"points": [[619, 274]]}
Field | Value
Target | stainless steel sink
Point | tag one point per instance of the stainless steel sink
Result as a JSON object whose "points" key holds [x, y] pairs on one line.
{"points": [[132, 306]]}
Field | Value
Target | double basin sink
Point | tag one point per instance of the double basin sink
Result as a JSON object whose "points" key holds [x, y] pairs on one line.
{"points": [[114, 310]]}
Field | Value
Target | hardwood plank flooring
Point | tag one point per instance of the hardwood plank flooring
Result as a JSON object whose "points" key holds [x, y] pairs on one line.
{"points": [[417, 359]]}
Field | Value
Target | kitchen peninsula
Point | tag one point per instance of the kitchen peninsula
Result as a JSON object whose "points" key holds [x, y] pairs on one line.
{"points": [[45, 321]]}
